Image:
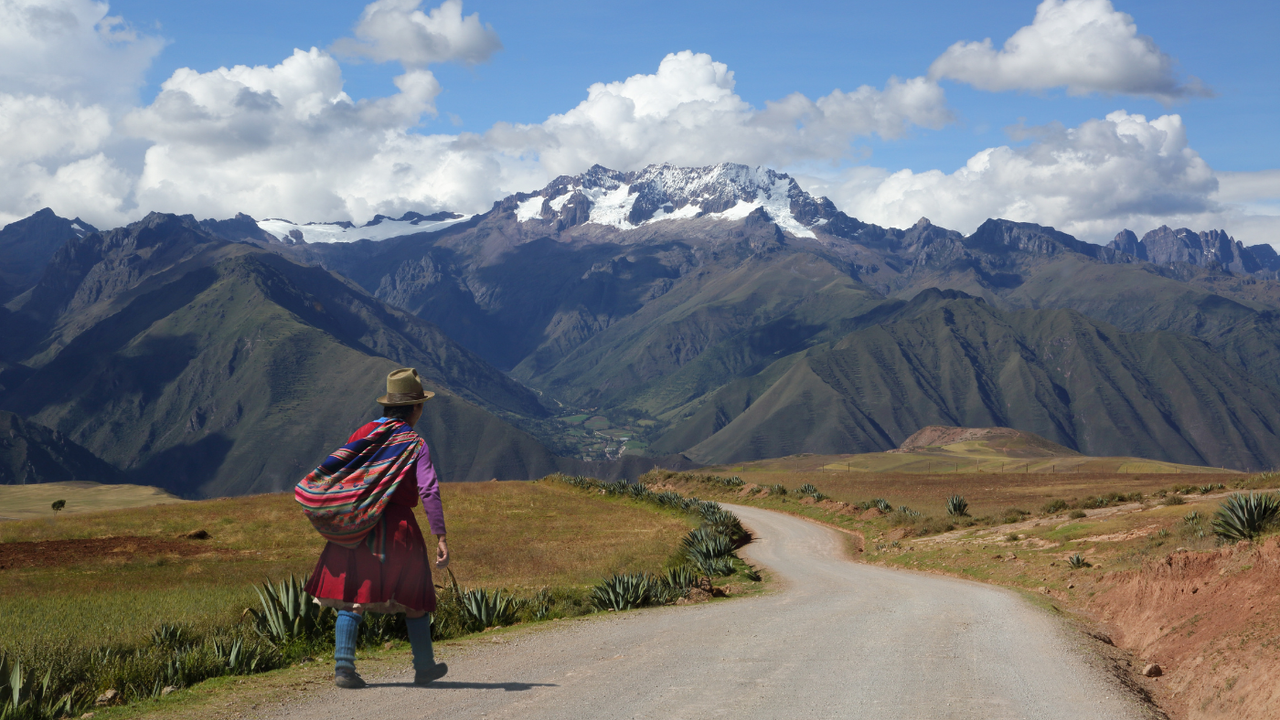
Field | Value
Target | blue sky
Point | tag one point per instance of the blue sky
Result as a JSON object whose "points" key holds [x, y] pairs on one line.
{"points": [[552, 52]]}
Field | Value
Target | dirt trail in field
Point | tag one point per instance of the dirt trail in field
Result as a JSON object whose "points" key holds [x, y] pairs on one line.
{"points": [[838, 640]]}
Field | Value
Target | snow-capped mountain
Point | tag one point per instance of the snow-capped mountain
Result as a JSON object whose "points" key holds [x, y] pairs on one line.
{"points": [[380, 227], [626, 200]]}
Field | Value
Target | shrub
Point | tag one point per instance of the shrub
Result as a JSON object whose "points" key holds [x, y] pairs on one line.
{"points": [[1077, 514], [1013, 515], [1012, 537], [932, 526], [1110, 499], [1053, 507], [1174, 499], [957, 506], [1244, 517]]}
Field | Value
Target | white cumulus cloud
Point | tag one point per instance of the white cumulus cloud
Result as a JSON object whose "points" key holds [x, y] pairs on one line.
{"points": [[35, 127], [398, 30], [1085, 46], [287, 141], [1090, 181], [67, 69], [688, 113], [274, 140], [72, 49]]}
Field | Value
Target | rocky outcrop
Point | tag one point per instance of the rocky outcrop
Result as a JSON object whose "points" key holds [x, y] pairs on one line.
{"points": [[1212, 249], [27, 245]]}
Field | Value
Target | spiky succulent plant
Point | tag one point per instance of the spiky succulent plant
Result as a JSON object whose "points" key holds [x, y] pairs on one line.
{"points": [[1244, 517], [957, 506]]}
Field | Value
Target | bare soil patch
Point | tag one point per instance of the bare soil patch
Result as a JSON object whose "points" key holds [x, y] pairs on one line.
{"points": [[60, 553], [1212, 622]]}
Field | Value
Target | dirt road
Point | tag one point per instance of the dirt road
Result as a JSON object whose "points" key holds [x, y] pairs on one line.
{"points": [[839, 640]]}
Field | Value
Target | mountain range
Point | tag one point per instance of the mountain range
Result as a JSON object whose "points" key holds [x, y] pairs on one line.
{"points": [[714, 314]]}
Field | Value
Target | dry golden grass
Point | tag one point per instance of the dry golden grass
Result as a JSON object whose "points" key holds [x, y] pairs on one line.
{"points": [[516, 534], [964, 458], [986, 493], [513, 534], [26, 502]]}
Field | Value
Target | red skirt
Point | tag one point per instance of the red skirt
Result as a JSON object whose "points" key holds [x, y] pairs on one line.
{"points": [[346, 578]]}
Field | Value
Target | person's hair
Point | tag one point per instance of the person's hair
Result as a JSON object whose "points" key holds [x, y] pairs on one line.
{"points": [[397, 411]]}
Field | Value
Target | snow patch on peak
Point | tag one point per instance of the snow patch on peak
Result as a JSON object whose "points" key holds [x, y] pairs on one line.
{"points": [[530, 209], [380, 228], [666, 192], [611, 206]]}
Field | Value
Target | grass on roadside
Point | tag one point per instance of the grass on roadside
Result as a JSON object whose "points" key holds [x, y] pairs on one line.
{"points": [[126, 600]]}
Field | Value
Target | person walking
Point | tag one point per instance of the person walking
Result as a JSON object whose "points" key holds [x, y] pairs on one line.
{"points": [[361, 500]]}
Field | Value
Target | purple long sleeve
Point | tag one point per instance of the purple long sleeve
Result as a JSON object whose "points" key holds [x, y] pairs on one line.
{"points": [[429, 491]]}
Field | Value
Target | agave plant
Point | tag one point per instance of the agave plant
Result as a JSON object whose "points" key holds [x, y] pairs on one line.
{"points": [[241, 658], [1244, 517], [1192, 518], [1077, 562], [173, 637], [639, 490], [722, 522], [706, 542], [22, 696], [882, 505], [777, 489], [485, 610], [288, 612], [668, 499], [623, 592], [680, 578], [957, 506], [810, 490], [378, 628], [715, 567]]}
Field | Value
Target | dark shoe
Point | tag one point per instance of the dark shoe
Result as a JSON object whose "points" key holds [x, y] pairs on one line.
{"points": [[347, 678], [435, 672]]}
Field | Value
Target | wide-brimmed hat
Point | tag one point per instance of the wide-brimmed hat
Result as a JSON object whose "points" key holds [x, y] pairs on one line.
{"points": [[404, 388]]}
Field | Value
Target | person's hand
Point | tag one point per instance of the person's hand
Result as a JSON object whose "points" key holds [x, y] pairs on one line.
{"points": [[442, 554]]}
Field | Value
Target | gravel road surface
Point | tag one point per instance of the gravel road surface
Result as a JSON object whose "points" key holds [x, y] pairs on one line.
{"points": [[838, 640]]}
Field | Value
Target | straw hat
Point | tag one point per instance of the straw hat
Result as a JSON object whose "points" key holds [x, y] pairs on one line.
{"points": [[404, 388]]}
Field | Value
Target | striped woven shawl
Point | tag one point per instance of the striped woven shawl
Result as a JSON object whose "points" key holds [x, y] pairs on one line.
{"points": [[344, 498]]}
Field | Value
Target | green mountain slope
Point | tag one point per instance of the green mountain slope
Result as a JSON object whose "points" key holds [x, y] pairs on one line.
{"points": [[212, 368], [31, 453], [1056, 373]]}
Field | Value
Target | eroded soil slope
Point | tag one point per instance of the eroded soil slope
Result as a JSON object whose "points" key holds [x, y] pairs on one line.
{"points": [[1211, 620]]}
